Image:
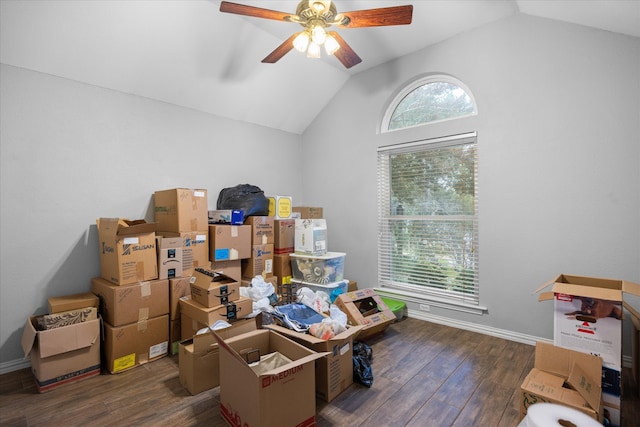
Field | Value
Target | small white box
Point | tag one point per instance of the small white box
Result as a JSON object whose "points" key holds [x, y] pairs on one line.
{"points": [[311, 236]]}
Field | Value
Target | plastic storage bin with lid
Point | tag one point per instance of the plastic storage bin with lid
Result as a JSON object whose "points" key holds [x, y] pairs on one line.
{"points": [[318, 269]]}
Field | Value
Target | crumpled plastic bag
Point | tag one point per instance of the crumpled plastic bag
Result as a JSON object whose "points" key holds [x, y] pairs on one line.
{"points": [[362, 358], [318, 300], [330, 326]]}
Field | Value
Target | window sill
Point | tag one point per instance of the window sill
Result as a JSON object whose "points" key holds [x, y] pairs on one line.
{"points": [[431, 300]]}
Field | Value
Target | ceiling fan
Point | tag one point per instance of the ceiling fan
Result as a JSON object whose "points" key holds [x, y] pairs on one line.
{"points": [[315, 16]]}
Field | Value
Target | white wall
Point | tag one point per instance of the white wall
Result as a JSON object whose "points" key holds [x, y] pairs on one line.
{"points": [[71, 153], [559, 148]]}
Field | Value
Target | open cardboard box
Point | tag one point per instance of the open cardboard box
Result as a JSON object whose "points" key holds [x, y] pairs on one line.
{"points": [[211, 289], [127, 250], [565, 377], [282, 396], [198, 359], [62, 355], [334, 372], [365, 307]]}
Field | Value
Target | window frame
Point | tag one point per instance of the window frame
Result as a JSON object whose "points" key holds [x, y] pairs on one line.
{"points": [[416, 136], [415, 84]]}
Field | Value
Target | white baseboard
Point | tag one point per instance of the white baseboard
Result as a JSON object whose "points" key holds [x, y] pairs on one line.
{"points": [[14, 365], [487, 330], [474, 327]]}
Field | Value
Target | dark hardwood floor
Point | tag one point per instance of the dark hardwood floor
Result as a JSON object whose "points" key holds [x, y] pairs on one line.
{"points": [[424, 375]]}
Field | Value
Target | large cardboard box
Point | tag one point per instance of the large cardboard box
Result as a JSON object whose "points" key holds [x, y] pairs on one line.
{"points": [[198, 359], [120, 305], [261, 229], [566, 377], [588, 318], [230, 268], [212, 289], [260, 263], [229, 242], [72, 302], [135, 344], [309, 212], [284, 232], [310, 237], [181, 209], [365, 307], [195, 316], [334, 372], [127, 250], [169, 257], [195, 249], [281, 396], [62, 355]]}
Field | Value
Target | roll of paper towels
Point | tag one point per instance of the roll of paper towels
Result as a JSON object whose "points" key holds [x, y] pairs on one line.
{"points": [[551, 415]]}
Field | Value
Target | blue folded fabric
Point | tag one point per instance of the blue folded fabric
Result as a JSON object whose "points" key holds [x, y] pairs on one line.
{"points": [[298, 317]]}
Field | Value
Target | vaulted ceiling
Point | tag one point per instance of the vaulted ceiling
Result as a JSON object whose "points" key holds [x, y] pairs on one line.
{"points": [[188, 53]]}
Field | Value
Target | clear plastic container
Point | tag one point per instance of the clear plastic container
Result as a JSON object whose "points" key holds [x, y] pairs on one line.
{"points": [[318, 269]]}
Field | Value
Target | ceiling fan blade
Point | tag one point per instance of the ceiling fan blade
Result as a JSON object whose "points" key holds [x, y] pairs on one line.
{"points": [[258, 12], [397, 15], [280, 51], [345, 54]]}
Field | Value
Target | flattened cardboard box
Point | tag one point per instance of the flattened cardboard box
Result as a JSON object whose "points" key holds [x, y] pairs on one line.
{"points": [[283, 396], [127, 250], [121, 305], [181, 209], [212, 289], [198, 360], [553, 367], [365, 307], [62, 355], [334, 372], [229, 242], [135, 344], [72, 302]]}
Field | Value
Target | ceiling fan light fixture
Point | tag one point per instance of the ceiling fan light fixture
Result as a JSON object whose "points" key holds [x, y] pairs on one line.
{"points": [[313, 51], [331, 45], [301, 42], [318, 35]]}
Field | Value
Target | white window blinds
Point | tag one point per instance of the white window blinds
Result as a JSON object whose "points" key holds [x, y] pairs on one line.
{"points": [[427, 219]]}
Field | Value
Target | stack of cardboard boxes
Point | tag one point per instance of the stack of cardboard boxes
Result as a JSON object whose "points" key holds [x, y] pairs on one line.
{"points": [[134, 303], [260, 263], [183, 240]]}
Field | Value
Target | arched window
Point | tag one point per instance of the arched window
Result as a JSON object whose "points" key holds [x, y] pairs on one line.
{"points": [[428, 248], [427, 100]]}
